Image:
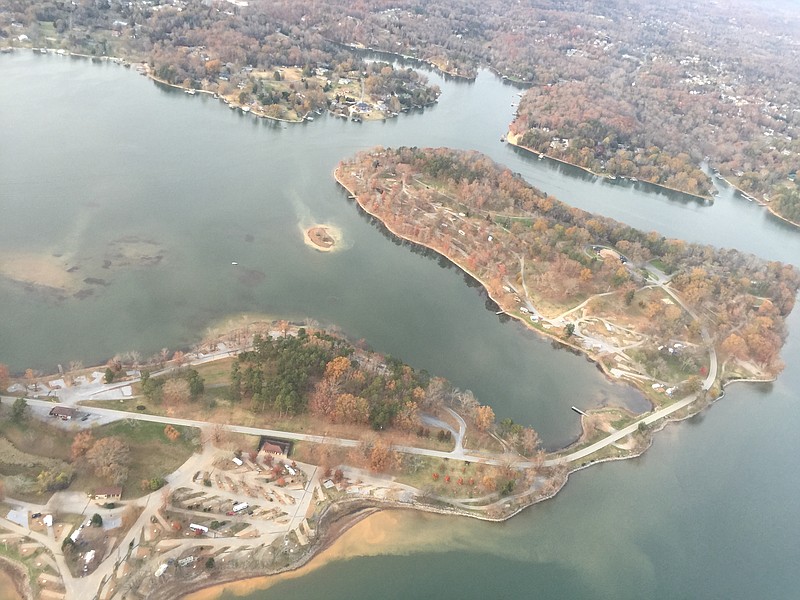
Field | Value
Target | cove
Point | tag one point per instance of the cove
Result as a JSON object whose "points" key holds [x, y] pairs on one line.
{"points": [[171, 189], [93, 154]]}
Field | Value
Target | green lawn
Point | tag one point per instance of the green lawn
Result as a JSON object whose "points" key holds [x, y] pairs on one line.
{"points": [[660, 265], [217, 372], [152, 453]]}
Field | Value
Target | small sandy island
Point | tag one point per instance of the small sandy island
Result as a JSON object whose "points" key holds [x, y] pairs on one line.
{"points": [[324, 238]]}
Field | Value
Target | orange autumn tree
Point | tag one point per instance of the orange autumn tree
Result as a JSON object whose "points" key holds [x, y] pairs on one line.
{"points": [[484, 418]]}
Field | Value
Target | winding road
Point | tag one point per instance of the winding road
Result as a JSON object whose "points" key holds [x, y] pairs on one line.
{"points": [[88, 587], [459, 452]]}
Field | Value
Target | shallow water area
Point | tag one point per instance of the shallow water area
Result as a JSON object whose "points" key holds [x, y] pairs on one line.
{"points": [[102, 155], [154, 194]]}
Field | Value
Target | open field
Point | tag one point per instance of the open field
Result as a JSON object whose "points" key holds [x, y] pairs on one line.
{"points": [[33, 446]]}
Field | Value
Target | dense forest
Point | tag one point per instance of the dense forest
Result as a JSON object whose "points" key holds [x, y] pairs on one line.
{"points": [[326, 376], [632, 88], [254, 58], [504, 231]]}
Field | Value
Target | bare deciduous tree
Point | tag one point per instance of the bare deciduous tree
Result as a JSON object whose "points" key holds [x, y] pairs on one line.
{"points": [[110, 458]]}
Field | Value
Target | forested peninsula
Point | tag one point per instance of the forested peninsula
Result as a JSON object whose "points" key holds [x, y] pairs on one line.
{"points": [[666, 315], [255, 58], [641, 89], [672, 94]]}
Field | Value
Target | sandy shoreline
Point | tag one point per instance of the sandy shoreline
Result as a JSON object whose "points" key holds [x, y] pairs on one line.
{"points": [[241, 583], [370, 534], [323, 237], [314, 236]]}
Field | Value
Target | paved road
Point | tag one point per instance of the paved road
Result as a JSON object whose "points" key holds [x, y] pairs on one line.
{"points": [[458, 453], [87, 587], [462, 431], [618, 435], [288, 435], [458, 436]]}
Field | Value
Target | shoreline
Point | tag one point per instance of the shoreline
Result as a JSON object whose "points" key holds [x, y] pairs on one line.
{"points": [[363, 509], [511, 138], [429, 63], [564, 343], [331, 532], [256, 113], [760, 202], [553, 337], [328, 537], [316, 236], [781, 217], [340, 515], [376, 506], [322, 237]]}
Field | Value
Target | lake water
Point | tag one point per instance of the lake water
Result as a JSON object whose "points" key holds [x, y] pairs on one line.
{"points": [[93, 155]]}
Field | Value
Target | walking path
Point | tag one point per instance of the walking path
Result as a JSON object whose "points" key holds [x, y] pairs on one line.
{"points": [[458, 452], [90, 586], [618, 435]]}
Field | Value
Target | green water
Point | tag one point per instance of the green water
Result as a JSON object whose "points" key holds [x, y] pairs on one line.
{"points": [[92, 154], [709, 512]]}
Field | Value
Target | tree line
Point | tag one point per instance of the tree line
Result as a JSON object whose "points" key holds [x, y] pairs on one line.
{"points": [[504, 230], [236, 53]]}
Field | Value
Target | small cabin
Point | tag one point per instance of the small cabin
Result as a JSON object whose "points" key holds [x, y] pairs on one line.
{"points": [[65, 413], [107, 494], [276, 447]]}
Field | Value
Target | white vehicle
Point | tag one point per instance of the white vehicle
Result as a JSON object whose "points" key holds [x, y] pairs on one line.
{"points": [[198, 529], [237, 508]]}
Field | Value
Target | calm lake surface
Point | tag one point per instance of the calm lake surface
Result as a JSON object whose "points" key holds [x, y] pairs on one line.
{"points": [[93, 156]]}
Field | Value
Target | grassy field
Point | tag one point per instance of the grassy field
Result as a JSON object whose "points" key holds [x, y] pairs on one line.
{"points": [[34, 445], [152, 453], [28, 448], [421, 476], [217, 372]]}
